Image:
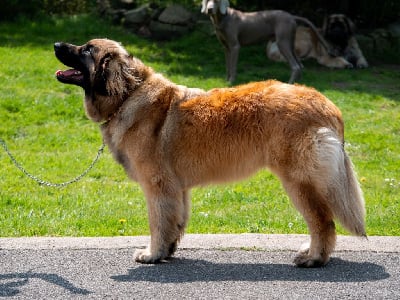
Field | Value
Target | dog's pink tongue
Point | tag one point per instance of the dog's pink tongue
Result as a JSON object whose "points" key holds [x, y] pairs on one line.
{"points": [[66, 73]]}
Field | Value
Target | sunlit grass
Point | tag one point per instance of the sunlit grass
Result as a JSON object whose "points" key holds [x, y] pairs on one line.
{"points": [[45, 127]]}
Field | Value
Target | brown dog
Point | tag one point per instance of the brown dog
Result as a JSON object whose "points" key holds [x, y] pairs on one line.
{"points": [[307, 45], [235, 28], [170, 138], [339, 31]]}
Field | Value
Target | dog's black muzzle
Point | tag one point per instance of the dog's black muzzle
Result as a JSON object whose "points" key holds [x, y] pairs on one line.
{"points": [[68, 54]]}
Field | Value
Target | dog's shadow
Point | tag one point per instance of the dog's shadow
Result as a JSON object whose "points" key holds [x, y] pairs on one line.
{"points": [[16, 280], [188, 270]]}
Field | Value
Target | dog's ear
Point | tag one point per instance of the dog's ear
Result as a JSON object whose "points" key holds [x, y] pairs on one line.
{"points": [[223, 6], [113, 75], [351, 27], [325, 25], [119, 73], [204, 6]]}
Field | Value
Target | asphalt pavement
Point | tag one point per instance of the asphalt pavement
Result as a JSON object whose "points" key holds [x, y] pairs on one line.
{"points": [[244, 266]]}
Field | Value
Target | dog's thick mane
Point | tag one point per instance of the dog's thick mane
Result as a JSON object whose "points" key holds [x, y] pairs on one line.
{"points": [[121, 77], [115, 78], [129, 85]]}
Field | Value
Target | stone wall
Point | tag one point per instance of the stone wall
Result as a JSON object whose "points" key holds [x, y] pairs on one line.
{"points": [[148, 20]]}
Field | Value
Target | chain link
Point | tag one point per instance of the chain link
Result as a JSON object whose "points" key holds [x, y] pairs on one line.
{"points": [[47, 183]]}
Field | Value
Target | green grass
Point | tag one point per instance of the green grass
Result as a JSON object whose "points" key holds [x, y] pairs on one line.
{"points": [[45, 127]]}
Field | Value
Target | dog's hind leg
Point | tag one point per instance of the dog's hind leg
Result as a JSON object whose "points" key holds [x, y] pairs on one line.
{"points": [[323, 186], [315, 209], [285, 37], [295, 65]]}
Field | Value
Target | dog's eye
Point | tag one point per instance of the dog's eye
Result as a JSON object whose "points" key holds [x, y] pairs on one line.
{"points": [[87, 51]]}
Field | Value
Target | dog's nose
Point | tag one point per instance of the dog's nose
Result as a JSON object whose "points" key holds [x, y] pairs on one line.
{"points": [[57, 46]]}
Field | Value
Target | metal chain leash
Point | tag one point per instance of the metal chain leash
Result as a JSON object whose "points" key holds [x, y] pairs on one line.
{"points": [[47, 183]]}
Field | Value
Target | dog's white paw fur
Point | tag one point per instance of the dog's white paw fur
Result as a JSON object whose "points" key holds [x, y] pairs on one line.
{"points": [[304, 259], [145, 256]]}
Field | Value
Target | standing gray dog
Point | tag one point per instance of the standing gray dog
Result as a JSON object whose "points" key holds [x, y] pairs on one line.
{"points": [[235, 28]]}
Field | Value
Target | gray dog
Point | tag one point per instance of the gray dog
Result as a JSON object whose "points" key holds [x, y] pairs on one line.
{"points": [[235, 28]]}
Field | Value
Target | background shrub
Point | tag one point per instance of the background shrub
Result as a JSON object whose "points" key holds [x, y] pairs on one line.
{"points": [[368, 14], [12, 9]]}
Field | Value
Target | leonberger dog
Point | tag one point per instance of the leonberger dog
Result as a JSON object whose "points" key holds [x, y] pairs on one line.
{"points": [[307, 45], [170, 138], [339, 33]]}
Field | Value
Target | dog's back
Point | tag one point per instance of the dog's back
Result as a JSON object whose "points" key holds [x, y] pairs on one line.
{"points": [[263, 124]]}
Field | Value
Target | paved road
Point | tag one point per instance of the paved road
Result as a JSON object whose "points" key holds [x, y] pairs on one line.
{"points": [[248, 266]]}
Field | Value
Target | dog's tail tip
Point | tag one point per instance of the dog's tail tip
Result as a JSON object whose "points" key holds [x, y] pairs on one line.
{"points": [[346, 197], [361, 233], [356, 215]]}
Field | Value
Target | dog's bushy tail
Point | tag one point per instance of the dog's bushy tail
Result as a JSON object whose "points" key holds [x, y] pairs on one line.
{"points": [[343, 190]]}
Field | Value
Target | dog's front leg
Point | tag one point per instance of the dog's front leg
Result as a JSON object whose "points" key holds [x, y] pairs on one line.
{"points": [[231, 61], [167, 212], [354, 51], [227, 63]]}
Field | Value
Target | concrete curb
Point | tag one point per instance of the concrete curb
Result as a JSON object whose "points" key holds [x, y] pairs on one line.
{"points": [[247, 241]]}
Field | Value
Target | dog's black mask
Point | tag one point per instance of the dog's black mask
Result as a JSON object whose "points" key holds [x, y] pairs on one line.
{"points": [[82, 62], [338, 33], [76, 58]]}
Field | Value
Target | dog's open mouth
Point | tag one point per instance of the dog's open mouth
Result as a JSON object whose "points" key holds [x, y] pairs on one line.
{"points": [[71, 76]]}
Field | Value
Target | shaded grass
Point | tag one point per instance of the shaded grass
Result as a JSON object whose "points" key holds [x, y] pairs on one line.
{"points": [[45, 127]]}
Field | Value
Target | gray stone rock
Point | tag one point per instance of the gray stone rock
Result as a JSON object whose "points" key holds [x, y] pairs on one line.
{"points": [[163, 31], [137, 16], [176, 15]]}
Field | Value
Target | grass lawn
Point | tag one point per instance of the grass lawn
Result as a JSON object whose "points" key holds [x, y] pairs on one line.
{"points": [[45, 127]]}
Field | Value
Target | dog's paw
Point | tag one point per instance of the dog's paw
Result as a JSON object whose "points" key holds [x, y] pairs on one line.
{"points": [[145, 256], [362, 65], [304, 260], [349, 66]]}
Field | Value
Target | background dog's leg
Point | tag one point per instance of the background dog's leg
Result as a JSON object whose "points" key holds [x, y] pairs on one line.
{"points": [[334, 62], [353, 50], [232, 62], [167, 218], [294, 62], [227, 63], [314, 207], [285, 38]]}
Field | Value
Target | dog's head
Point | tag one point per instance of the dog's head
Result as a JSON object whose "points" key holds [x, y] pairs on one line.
{"points": [[212, 7], [104, 69], [337, 29]]}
